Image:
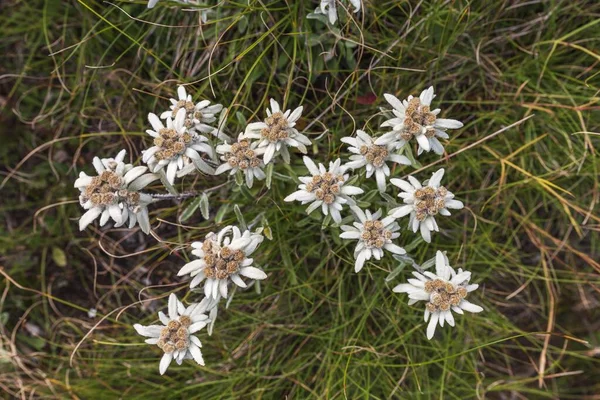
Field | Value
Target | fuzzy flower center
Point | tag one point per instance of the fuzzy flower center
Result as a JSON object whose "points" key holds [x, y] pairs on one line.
{"points": [[429, 201], [375, 154], [325, 187], [443, 295], [171, 143], [107, 188], [416, 118], [191, 112], [221, 262], [277, 127], [175, 336], [374, 235], [242, 156]]}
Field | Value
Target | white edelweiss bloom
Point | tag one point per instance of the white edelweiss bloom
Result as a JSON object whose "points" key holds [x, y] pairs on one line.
{"points": [[445, 291], [115, 193], [175, 337], [223, 257], [324, 188], [203, 14], [242, 156], [174, 146], [329, 8], [413, 117], [276, 133], [373, 157], [423, 202], [198, 116], [374, 234]]}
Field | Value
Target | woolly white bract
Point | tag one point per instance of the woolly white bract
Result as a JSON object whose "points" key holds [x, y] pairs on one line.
{"points": [[175, 337], [329, 8], [373, 157], [444, 291], [413, 117], [424, 202], [198, 116], [175, 147], [325, 189], [115, 193], [276, 133], [223, 257], [242, 156], [373, 234]]}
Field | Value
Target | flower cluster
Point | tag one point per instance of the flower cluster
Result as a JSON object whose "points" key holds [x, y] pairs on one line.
{"points": [[203, 14], [329, 8], [180, 147], [183, 144], [445, 291], [223, 257], [115, 193], [374, 234], [277, 132], [414, 118], [374, 157], [175, 145], [325, 188], [423, 203], [329, 189], [242, 156], [175, 337]]}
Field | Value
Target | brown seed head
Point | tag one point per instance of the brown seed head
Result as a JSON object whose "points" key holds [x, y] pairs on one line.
{"points": [[220, 274], [429, 133], [232, 267], [185, 321], [182, 333], [239, 255], [168, 348], [429, 287], [225, 252], [173, 325], [209, 272]]}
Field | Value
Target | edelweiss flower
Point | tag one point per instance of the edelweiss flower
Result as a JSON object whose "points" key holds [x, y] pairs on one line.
{"points": [[328, 7], [115, 193], [197, 116], [444, 291], [277, 132], [223, 257], [424, 202], [174, 146], [242, 156], [325, 188], [203, 14], [372, 156], [373, 234], [175, 337], [414, 118]]}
